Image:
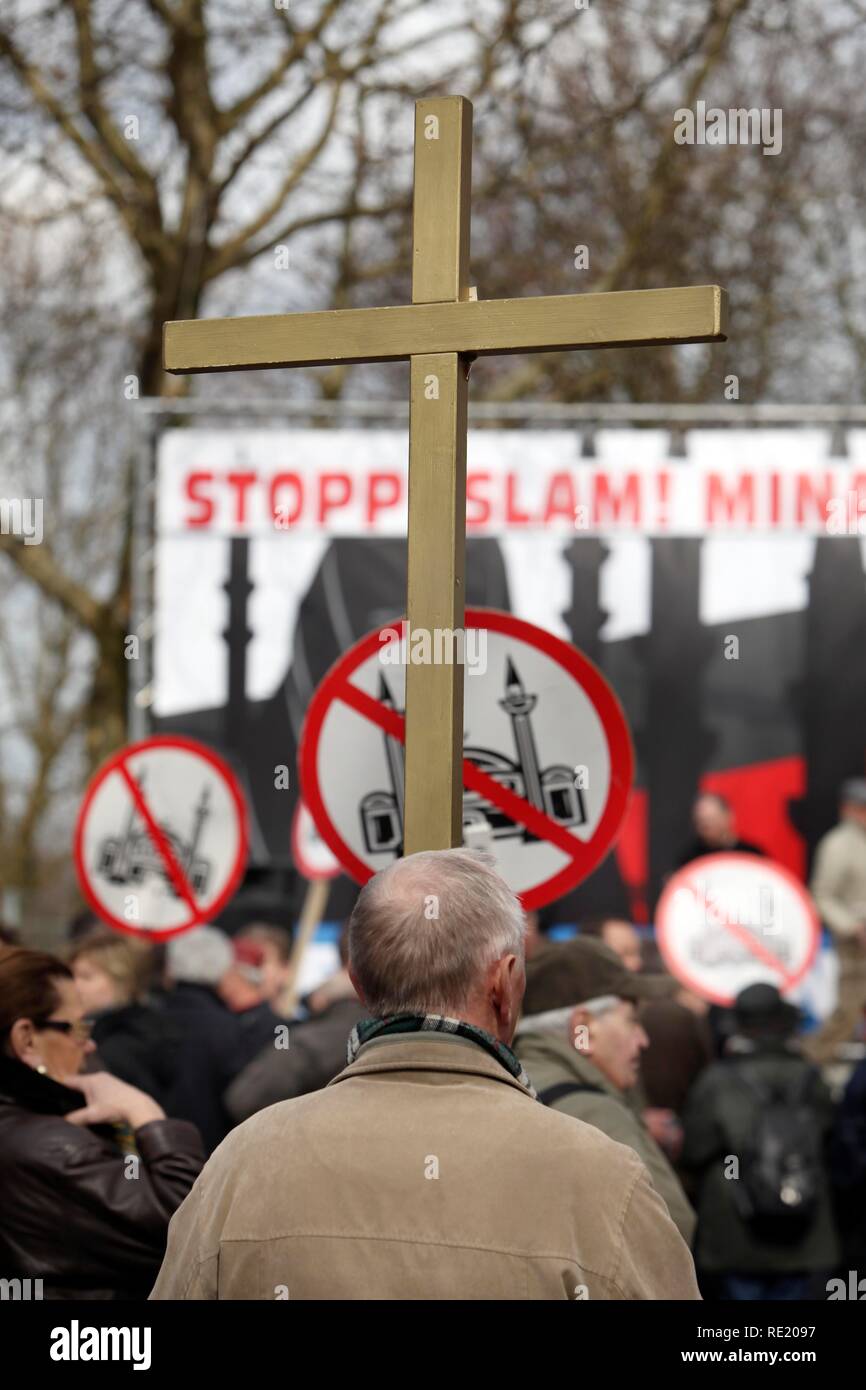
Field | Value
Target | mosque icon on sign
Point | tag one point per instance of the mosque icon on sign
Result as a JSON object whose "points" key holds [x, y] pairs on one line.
{"points": [[551, 790]]}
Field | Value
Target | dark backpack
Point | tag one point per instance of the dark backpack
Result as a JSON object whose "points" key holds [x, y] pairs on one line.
{"points": [[781, 1167], [561, 1089]]}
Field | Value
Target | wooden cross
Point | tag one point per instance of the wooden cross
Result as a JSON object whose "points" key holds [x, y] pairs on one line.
{"points": [[439, 334]]}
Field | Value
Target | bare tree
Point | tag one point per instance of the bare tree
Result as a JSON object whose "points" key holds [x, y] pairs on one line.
{"points": [[203, 135], [155, 154], [597, 165]]}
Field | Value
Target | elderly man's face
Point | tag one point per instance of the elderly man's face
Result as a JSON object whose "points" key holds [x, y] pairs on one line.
{"points": [[613, 1040], [852, 810]]}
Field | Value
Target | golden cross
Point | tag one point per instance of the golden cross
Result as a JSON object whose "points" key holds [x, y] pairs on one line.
{"points": [[440, 333]]}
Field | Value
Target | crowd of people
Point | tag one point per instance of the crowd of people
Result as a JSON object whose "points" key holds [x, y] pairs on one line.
{"points": [[141, 1083], [837, 886]]}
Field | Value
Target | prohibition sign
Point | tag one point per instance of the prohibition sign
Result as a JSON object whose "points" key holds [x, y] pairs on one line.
{"points": [[161, 837], [726, 921], [547, 793], [310, 855]]}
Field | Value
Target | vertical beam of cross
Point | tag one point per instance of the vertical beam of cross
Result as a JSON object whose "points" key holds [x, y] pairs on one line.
{"points": [[437, 478]]}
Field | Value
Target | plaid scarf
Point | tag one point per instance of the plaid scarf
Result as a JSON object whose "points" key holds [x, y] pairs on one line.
{"points": [[437, 1023]]}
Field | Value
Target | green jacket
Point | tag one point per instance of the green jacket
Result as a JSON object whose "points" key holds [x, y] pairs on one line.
{"points": [[719, 1118], [550, 1059]]}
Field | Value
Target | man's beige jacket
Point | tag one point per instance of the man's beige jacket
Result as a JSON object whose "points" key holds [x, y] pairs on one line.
{"points": [[423, 1171], [839, 878]]}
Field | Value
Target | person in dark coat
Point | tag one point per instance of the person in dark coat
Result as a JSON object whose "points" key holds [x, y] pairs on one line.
{"points": [[242, 989], [680, 1047], [314, 1054], [848, 1169], [72, 1216], [208, 1051], [133, 1039], [756, 1129], [715, 831]]}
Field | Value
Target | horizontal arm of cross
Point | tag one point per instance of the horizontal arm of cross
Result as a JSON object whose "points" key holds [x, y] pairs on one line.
{"points": [[627, 318]]}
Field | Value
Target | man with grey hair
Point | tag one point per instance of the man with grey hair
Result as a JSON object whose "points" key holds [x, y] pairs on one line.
{"points": [[427, 1169], [204, 1031]]}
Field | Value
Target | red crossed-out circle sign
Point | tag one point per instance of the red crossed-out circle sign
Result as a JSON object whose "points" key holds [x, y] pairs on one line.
{"points": [[310, 855], [161, 838], [727, 921], [547, 765]]}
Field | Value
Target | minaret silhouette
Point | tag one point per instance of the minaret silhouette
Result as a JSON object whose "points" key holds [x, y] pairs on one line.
{"points": [[585, 616], [831, 697], [236, 636], [393, 752], [126, 839], [518, 705], [201, 815], [604, 890], [674, 740]]}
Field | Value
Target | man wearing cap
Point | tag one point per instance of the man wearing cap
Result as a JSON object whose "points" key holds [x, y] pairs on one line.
{"points": [[839, 888], [756, 1125], [580, 1040]]}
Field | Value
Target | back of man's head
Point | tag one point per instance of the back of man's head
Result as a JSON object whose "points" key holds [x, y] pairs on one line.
{"points": [[199, 957], [853, 799], [760, 1013], [425, 931]]}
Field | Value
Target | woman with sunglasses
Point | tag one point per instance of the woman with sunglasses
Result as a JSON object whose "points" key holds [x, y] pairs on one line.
{"points": [[91, 1170]]}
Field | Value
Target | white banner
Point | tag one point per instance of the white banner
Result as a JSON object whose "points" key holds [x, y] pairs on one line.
{"points": [[354, 483], [217, 484]]}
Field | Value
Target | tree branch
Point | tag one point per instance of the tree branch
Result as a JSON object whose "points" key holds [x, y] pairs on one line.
{"points": [[229, 252], [89, 82], [662, 176], [47, 102], [351, 210], [255, 141], [37, 563]]}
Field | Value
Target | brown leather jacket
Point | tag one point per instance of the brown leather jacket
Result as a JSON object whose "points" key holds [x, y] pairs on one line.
{"points": [[72, 1213]]}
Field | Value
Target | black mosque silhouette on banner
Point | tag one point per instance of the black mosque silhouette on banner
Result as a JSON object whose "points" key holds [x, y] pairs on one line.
{"points": [[551, 790], [777, 733]]}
